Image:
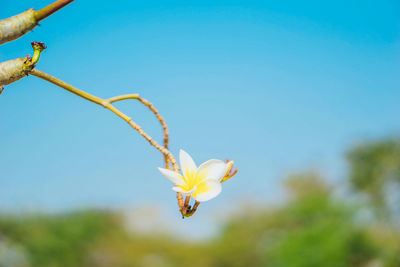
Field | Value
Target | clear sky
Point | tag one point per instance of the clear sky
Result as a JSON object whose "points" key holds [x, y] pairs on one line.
{"points": [[277, 86]]}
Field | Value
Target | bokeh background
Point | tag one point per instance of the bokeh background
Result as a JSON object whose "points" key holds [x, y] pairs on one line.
{"points": [[303, 96]]}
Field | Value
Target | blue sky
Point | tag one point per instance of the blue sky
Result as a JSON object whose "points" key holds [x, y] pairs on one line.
{"points": [[277, 86]]}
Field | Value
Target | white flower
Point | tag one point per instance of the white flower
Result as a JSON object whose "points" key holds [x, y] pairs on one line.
{"points": [[203, 183]]}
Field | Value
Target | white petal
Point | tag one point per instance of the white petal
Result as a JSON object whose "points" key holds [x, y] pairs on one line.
{"points": [[174, 177], [187, 164], [212, 169], [207, 190], [185, 193]]}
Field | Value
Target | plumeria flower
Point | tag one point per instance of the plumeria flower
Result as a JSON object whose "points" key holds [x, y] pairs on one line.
{"points": [[202, 183]]}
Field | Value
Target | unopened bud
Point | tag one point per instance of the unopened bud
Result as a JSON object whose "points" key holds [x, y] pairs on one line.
{"points": [[229, 173]]}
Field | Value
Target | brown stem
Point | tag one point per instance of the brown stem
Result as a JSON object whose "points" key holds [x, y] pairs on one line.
{"points": [[186, 206], [163, 124], [193, 210], [180, 201], [187, 200], [195, 207], [50, 9]]}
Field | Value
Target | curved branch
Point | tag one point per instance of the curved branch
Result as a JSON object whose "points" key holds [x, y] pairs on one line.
{"points": [[123, 97], [184, 209], [106, 104], [156, 113], [14, 70]]}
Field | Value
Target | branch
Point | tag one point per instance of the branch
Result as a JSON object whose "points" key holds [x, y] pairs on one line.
{"points": [[50, 9], [185, 210], [156, 113], [13, 70], [14, 27], [108, 105]]}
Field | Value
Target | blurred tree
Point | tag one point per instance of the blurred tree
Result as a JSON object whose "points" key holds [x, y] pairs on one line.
{"points": [[312, 229], [374, 170], [57, 240]]}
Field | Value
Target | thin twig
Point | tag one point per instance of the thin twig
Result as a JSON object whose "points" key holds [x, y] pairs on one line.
{"points": [[12, 71], [186, 207], [156, 113], [106, 104]]}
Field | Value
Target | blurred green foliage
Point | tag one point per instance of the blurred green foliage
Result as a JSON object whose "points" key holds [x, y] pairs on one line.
{"points": [[314, 227], [374, 167], [62, 240]]}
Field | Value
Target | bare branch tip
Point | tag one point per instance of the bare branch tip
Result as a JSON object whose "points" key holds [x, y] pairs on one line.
{"points": [[38, 45]]}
